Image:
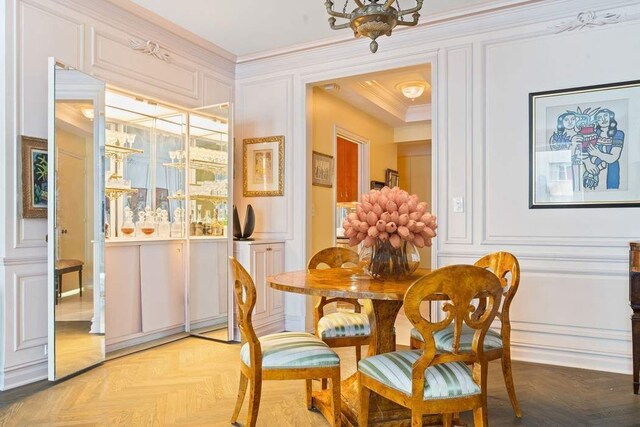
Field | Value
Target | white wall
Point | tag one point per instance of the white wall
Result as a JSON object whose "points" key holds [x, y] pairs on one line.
{"points": [[93, 37], [572, 306]]}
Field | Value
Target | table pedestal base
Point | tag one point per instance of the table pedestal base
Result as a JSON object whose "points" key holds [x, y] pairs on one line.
{"points": [[382, 412]]}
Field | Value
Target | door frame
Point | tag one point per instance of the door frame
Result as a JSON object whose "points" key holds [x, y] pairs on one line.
{"points": [[364, 146]]}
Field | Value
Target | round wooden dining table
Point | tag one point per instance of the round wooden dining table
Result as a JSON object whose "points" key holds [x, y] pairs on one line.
{"points": [[382, 301]]}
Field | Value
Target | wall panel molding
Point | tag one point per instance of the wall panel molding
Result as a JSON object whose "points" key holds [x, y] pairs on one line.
{"points": [[30, 311]]}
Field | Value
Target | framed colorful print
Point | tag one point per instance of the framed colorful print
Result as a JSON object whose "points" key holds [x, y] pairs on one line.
{"points": [[392, 179], [585, 147], [322, 167], [34, 177], [263, 166]]}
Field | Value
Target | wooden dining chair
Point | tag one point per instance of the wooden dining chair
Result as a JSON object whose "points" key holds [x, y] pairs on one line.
{"points": [[428, 382], [341, 328], [497, 345], [283, 356]]}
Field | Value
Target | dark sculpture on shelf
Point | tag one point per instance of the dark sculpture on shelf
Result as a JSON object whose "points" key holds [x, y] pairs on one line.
{"points": [[249, 224]]}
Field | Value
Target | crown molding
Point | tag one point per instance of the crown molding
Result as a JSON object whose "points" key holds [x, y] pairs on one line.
{"points": [[432, 33], [126, 16]]}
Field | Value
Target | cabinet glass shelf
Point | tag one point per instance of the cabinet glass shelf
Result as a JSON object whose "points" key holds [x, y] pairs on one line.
{"points": [[115, 192], [199, 165], [119, 152]]}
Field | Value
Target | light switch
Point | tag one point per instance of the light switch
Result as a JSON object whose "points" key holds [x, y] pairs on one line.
{"points": [[458, 204]]}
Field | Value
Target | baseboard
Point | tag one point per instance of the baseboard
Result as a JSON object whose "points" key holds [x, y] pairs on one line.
{"points": [[27, 373], [141, 338], [272, 327], [211, 322], [592, 360]]}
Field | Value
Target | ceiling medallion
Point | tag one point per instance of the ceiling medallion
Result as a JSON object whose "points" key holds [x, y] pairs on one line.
{"points": [[372, 19]]}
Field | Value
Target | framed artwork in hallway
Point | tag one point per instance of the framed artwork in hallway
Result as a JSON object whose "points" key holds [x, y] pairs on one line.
{"points": [[263, 166], [322, 170]]}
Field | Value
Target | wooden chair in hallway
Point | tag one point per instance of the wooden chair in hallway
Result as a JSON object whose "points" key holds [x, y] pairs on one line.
{"points": [[497, 345], [342, 328], [428, 382], [283, 356]]}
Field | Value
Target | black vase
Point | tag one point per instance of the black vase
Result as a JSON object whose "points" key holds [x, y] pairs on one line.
{"points": [[249, 224]]}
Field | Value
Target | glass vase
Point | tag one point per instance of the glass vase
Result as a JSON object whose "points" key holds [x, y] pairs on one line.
{"points": [[384, 262]]}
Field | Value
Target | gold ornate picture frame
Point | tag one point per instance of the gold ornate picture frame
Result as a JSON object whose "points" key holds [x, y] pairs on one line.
{"points": [[263, 166], [34, 177]]}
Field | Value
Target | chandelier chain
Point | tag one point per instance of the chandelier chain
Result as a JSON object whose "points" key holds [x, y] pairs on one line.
{"points": [[399, 10], [344, 9]]}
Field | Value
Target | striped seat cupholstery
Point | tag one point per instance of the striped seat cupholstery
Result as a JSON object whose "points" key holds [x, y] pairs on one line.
{"points": [[344, 324], [444, 339], [292, 350], [445, 380]]}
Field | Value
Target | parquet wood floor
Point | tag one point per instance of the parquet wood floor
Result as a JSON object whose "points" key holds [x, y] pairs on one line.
{"points": [[194, 382]]}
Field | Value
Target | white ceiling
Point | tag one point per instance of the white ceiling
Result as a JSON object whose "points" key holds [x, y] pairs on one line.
{"points": [[248, 27], [378, 94]]}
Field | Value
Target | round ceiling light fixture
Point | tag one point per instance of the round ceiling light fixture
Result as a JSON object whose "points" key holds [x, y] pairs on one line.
{"points": [[88, 112], [414, 89]]}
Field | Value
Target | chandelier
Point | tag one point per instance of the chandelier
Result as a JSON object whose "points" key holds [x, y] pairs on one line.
{"points": [[372, 19]]}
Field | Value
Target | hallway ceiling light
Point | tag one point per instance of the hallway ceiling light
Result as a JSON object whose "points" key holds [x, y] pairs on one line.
{"points": [[413, 90], [372, 19], [88, 112]]}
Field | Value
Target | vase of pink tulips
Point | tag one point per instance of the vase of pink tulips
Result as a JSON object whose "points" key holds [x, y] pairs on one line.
{"points": [[390, 224]]}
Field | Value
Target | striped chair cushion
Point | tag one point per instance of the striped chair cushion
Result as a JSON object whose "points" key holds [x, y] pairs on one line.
{"points": [[343, 324], [444, 338], [292, 350], [441, 381]]}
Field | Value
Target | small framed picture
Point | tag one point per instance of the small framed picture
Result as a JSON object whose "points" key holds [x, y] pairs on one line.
{"points": [[392, 179], [35, 167], [584, 144], [377, 185], [263, 167], [322, 169]]}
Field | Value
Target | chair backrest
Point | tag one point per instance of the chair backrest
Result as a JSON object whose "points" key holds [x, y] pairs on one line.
{"points": [[458, 285], [245, 293], [503, 264], [333, 258]]}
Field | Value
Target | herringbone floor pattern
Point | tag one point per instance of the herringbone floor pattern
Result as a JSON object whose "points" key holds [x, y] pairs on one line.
{"points": [[193, 382]]}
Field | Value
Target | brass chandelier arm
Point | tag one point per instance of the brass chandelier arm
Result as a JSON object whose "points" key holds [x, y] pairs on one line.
{"points": [[332, 24], [359, 3], [417, 7], [409, 23], [329, 5], [388, 4]]}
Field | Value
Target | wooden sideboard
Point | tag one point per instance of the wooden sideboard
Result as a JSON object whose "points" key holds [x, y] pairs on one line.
{"points": [[634, 298]]}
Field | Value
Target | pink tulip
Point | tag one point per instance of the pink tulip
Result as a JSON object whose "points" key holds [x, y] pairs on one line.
{"points": [[352, 216], [395, 240], [383, 236], [365, 198], [403, 219], [426, 218], [377, 209], [381, 225], [363, 227], [372, 218], [386, 216], [373, 197], [353, 241], [427, 242], [391, 206], [415, 216], [373, 231], [411, 225], [413, 205], [403, 232], [351, 233], [395, 216], [366, 206], [422, 208], [362, 216], [361, 236], [418, 240], [403, 209], [368, 241], [391, 227], [420, 226], [383, 200], [428, 233]]}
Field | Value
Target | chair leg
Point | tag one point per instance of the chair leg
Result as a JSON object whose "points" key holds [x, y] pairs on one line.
{"points": [[336, 399], [447, 420], [309, 389], [480, 417], [508, 380], [255, 387], [80, 281], [242, 390], [358, 353], [363, 416], [416, 419]]}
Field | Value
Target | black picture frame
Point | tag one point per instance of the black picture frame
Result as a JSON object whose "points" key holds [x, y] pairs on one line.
{"points": [[377, 185], [392, 179], [581, 143]]}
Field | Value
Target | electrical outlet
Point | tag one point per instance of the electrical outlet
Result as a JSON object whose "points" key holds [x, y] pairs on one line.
{"points": [[458, 204]]}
